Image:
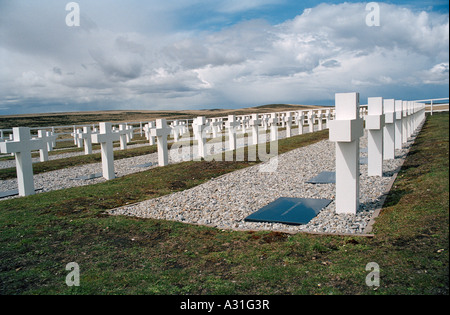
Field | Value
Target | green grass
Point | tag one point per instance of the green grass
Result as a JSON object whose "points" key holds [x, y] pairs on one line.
{"points": [[40, 234]]}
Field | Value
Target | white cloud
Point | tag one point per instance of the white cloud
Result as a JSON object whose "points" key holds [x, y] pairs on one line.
{"points": [[327, 49]]}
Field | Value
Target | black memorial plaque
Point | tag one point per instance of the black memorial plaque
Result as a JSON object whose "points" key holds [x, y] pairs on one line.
{"points": [[287, 210], [87, 177], [323, 178], [144, 165]]}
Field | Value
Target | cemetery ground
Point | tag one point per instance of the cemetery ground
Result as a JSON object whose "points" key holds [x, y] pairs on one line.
{"points": [[41, 234]]}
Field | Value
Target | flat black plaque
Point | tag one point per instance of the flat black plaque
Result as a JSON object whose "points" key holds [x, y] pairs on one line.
{"points": [[90, 176], [287, 210], [143, 165], [323, 178]]}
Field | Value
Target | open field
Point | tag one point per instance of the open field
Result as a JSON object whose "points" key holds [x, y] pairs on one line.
{"points": [[40, 234], [116, 116]]}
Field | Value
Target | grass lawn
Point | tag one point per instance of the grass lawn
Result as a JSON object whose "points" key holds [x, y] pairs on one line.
{"points": [[40, 234]]}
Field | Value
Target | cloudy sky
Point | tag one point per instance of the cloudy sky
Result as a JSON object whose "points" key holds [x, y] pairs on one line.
{"points": [[195, 54]]}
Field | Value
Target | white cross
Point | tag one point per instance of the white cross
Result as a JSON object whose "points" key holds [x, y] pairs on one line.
{"points": [[51, 135], [374, 125], [201, 129], [43, 151], [123, 136], [254, 123], [273, 120], [404, 122], [398, 124], [78, 132], [215, 125], [161, 132], [346, 130], [106, 138], [320, 119], [130, 133], [311, 119], [177, 129], [389, 129], [327, 117], [21, 146], [232, 124], [300, 121], [151, 138], [85, 136], [288, 121]]}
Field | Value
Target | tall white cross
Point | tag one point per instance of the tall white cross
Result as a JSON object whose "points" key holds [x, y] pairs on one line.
{"points": [[389, 129], [123, 136], [311, 119], [78, 133], [404, 122], [300, 121], [327, 117], [374, 125], [288, 121], [85, 136], [161, 132], [231, 125], [345, 130], [398, 124], [254, 124], [106, 138], [21, 146], [51, 135], [273, 121], [43, 151], [320, 119], [201, 128]]}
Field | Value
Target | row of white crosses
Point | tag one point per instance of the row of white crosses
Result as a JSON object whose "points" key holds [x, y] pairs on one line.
{"points": [[345, 130], [82, 136], [389, 123], [22, 144]]}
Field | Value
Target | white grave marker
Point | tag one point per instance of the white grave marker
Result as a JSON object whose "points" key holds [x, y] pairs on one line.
{"points": [[374, 125], [85, 136], [254, 124], [404, 122], [389, 129], [52, 137], [320, 119], [161, 132], [300, 121], [288, 121], [273, 120], [398, 124], [21, 146], [327, 117], [201, 128], [106, 138], [43, 151], [346, 130], [311, 119], [231, 125], [123, 136]]}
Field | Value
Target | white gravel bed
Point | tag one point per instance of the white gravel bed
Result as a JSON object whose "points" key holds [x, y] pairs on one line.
{"points": [[225, 201]]}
